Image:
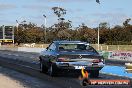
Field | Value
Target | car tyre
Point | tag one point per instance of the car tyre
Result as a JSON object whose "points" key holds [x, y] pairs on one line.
{"points": [[43, 68], [94, 73], [52, 70]]}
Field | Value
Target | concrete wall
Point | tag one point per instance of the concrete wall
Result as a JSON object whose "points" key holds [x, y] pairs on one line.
{"points": [[24, 49], [9, 48], [117, 55], [28, 49]]}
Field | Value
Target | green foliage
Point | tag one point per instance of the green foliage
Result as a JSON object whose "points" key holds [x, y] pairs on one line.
{"points": [[59, 11], [30, 32], [118, 43]]}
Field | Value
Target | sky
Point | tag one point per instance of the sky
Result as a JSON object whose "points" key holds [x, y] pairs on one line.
{"points": [[115, 12]]}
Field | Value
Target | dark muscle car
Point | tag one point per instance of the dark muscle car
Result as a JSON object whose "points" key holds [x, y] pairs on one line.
{"points": [[70, 55]]}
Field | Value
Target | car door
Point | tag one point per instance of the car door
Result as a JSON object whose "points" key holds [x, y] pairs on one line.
{"points": [[50, 54]]}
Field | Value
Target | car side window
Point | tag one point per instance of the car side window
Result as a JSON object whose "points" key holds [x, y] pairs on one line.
{"points": [[52, 47]]}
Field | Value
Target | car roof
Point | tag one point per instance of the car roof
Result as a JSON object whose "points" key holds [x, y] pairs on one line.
{"points": [[70, 42]]}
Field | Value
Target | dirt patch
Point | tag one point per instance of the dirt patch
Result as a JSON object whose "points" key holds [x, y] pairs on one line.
{"points": [[13, 79], [7, 82]]}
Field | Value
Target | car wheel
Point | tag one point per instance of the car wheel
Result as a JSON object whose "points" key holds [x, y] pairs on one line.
{"points": [[43, 68], [52, 70], [94, 73]]}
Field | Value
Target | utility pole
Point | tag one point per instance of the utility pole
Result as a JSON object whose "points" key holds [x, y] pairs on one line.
{"points": [[13, 35], [98, 36], [45, 21], [17, 24], [98, 1]]}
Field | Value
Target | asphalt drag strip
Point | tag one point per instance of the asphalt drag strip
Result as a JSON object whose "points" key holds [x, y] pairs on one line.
{"points": [[13, 79], [59, 82], [64, 80]]}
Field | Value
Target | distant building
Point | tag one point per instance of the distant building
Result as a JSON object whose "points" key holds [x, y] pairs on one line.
{"points": [[6, 34]]}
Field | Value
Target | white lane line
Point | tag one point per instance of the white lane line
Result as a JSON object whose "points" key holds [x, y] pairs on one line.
{"points": [[16, 55], [115, 75], [9, 54], [34, 62], [31, 57], [12, 54]]}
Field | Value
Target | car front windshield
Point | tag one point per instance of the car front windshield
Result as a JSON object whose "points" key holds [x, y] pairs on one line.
{"points": [[75, 47]]}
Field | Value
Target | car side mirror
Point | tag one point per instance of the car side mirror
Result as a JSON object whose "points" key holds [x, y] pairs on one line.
{"points": [[47, 48]]}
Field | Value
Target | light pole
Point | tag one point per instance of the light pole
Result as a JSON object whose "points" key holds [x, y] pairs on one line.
{"points": [[13, 35], [45, 21], [17, 29], [98, 36], [17, 25]]}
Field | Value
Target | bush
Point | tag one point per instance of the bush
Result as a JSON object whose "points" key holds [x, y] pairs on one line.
{"points": [[118, 43]]}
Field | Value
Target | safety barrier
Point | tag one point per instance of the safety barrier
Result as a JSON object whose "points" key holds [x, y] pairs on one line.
{"points": [[29, 49]]}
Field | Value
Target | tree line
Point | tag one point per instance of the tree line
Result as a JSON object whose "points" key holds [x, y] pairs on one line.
{"points": [[63, 30]]}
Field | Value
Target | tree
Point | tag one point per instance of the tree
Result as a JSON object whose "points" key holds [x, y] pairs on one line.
{"points": [[59, 11], [98, 1], [126, 22], [104, 25], [61, 28], [84, 33]]}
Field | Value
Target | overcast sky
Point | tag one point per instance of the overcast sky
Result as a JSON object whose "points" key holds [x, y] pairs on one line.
{"points": [[78, 11]]}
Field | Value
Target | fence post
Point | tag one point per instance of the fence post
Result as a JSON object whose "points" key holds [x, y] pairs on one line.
{"points": [[107, 48], [118, 47], [101, 47]]}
